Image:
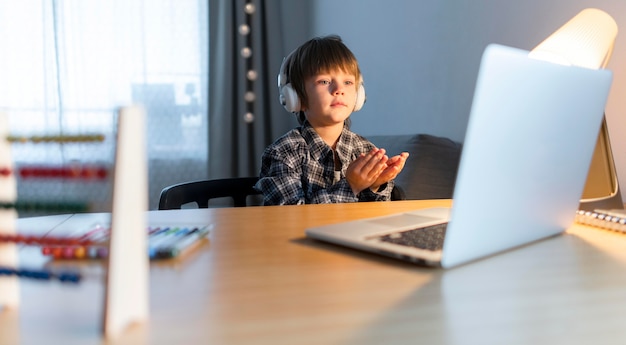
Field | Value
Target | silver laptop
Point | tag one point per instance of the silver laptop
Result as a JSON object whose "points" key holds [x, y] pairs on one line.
{"points": [[529, 142]]}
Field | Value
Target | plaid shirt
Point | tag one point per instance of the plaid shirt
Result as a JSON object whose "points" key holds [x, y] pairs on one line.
{"points": [[299, 168]]}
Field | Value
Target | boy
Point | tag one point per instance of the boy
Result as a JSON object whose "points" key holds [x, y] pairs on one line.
{"points": [[322, 161]]}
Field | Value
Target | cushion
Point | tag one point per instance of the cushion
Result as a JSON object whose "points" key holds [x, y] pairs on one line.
{"points": [[430, 171]]}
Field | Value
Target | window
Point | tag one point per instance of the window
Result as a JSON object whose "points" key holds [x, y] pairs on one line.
{"points": [[67, 65]]}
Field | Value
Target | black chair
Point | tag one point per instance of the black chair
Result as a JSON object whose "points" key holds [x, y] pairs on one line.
{"points": [[397, 193], [200, 192], [237, 188]]}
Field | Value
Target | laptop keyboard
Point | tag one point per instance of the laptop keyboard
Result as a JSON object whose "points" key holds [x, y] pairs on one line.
{"points": [[429, 238]]}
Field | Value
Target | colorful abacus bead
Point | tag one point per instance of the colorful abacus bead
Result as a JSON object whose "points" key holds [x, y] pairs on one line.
{"points": [[80, 252], [46, 206], [81, 138], [46, 251], [69, 172], [45, 240]]}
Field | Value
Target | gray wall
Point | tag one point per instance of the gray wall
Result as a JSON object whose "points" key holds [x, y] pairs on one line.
{"points": [[420, 58]]}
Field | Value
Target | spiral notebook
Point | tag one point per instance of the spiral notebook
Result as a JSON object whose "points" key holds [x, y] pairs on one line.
{"points": [[613, 219], [529, 142]]}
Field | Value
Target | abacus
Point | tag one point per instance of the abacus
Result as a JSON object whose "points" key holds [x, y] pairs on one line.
{"points": [[72, 176], [126, 261]]}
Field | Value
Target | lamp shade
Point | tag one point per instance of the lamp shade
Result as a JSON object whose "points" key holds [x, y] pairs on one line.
{"points": [[586, 40]]}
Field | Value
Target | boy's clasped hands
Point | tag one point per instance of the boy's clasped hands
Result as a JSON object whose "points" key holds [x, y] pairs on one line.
{"points": [[374, 169]]}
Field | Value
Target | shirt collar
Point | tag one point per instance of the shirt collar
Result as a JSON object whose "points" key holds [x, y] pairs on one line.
{"points": [[318, 147], [345, 146]]}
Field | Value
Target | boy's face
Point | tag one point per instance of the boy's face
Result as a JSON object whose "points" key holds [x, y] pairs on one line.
{"points": [[331, 98]]}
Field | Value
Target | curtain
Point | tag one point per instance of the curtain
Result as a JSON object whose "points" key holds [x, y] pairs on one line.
{"points": [[244, 113], [66, 67]]}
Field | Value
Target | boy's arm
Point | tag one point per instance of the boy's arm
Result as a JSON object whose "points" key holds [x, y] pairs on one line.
{"points": [[334, 193], [382, 194], [280, 180]]}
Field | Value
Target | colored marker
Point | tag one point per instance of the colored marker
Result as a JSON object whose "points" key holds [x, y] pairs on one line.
{"points": [[63, 276], [182, 244], [172, 238], [163, 242]]}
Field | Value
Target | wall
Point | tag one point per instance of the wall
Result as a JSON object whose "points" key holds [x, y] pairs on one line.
{"points": [[420, 58]]}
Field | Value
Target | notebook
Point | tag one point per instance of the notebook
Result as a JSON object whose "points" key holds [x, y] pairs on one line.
{"points": [[609, 219], [531, 133]]}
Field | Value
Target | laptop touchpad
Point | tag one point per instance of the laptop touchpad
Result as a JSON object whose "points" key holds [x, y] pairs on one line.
{"points": [[404, 219]]}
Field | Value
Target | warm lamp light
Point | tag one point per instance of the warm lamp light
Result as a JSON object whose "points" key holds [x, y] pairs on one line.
{"points": [[585, 41]]}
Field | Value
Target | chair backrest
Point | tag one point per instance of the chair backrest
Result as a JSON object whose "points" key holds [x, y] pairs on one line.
{"points": [[200, 192], [397, 193], [238, 188]]}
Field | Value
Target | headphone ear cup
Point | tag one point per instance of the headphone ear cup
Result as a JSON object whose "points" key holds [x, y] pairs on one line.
{"points": [[360, 98], [289, 99]]}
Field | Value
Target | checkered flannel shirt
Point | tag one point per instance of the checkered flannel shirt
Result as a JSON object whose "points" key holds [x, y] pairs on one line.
{"points": [[298, 168]]}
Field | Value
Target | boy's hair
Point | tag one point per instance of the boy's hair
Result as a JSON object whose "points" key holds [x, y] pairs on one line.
{"points": [[319, 55]]}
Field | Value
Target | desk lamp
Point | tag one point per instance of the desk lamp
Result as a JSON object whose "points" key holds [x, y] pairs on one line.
{"points": [[587, 41]]}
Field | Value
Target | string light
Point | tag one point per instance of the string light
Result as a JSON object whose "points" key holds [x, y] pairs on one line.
{"points": [[249, 96], [248, 117], [251, 75], [244, 29], [246, 52], [249, 8]]}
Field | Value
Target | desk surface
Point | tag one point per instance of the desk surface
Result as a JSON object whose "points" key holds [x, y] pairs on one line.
{"points": [[258, 280]]}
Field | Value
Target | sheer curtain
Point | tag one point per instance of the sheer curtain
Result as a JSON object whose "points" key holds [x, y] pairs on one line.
{"points": [[67, 65]]}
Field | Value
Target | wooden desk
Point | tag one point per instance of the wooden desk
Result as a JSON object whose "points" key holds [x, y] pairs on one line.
{"points": [[258, 280]]}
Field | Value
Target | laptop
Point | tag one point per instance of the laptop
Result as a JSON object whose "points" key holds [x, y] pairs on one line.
{"points": [[530, 138]]}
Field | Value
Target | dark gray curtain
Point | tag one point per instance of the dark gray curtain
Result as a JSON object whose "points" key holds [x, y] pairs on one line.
{"points": [[240, 127]]}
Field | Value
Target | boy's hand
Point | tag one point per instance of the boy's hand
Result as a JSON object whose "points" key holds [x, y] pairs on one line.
{"points": [[366, 169], [395, 165]]}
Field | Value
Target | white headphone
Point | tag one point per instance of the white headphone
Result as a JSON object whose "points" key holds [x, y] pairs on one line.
{"points": [[288, 96]]}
